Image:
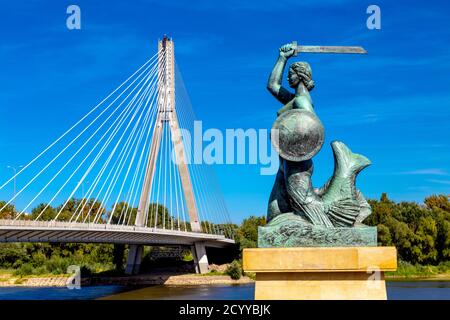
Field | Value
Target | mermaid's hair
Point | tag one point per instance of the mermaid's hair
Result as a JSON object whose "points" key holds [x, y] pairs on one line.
{"points": [[303, 70]]}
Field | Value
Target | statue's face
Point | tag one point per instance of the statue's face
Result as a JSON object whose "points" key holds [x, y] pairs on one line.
{"points": [[293, 78]]}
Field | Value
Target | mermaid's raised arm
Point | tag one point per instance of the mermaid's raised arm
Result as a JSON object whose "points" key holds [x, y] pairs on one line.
{"points": [[274, 83]]}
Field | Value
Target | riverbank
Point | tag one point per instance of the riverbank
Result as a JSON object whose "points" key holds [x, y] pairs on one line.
{"points": [[163, 276], [407, 271], [435, 277], [163, 279], [9, 280]]}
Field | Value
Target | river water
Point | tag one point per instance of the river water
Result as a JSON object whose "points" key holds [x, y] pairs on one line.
{"points": [[396, 290]]}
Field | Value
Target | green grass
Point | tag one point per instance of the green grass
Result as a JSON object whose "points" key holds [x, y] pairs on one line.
{"points": [[20, 281], [45, 275], [251, 275], [211, 273], [407, 270], [6, 271]]}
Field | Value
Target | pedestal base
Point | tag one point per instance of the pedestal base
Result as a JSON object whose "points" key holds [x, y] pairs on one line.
{"points": [[350, 273], [289, 230]]}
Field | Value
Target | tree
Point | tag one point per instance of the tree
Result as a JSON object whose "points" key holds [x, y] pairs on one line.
{"points": [[13, 255], [384, 235], [247, 234], [401, 238], [381, 210], [159, 216], [87, 210], [421, 233], [228, 229], [424, 243], [81, 210], [410, 213], [9, 212], [442, 219], [123, 213], [438, 201], [43, 212]]}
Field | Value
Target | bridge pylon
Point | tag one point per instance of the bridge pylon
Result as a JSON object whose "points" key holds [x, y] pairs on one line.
{"points": [[167, 115]]}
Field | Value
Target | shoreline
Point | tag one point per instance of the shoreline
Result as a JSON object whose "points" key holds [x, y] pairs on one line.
{"points": [[434, 277], [138, 280], [9, 280]]}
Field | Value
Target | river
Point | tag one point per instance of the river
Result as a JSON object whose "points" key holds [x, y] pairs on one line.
{"points": [[396, 290]]}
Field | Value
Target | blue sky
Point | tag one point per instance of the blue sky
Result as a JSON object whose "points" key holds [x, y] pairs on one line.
{"points": [[392, 105]]}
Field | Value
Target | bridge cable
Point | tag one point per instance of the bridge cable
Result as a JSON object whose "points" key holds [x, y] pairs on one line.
{"points": [[94, 161], [66, 147], [77, 123]]}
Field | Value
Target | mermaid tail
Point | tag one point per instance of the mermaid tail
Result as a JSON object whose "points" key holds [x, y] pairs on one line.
{"points": [[344, 205], [303, 200], [337, 204], [347, 164]]}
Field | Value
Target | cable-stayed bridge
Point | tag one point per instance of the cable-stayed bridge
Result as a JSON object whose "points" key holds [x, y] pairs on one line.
{"points": [[129, 157]]}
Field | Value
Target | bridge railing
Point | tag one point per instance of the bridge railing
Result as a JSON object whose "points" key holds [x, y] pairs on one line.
{"points": [[95, 226], [59, 224]]}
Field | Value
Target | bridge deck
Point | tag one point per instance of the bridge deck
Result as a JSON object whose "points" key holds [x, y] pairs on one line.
{"points": [[56, 231]]}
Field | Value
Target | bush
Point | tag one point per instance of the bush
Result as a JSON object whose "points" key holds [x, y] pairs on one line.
{"points": [[214, 272], [38, 259], [187, 256], [40, 270], [12, 255], [251, 275], [234, 270], [247, 234], [444, 267], [24, 270], [57, 265]]}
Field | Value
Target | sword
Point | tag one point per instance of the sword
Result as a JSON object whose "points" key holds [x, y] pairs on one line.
{"points": [[327, 49]]}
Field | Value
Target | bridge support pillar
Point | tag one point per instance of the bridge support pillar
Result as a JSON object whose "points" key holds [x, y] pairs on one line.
{"points": [[200, 258], [135, 252]]}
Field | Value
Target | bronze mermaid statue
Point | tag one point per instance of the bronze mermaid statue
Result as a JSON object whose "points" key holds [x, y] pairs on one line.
{"points": [[299, 136]]}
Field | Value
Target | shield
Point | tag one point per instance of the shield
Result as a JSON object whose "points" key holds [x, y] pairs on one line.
{"points": [[297, 135]]}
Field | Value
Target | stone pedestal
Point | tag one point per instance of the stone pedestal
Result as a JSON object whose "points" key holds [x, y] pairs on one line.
{"points": [[339, 273]]}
